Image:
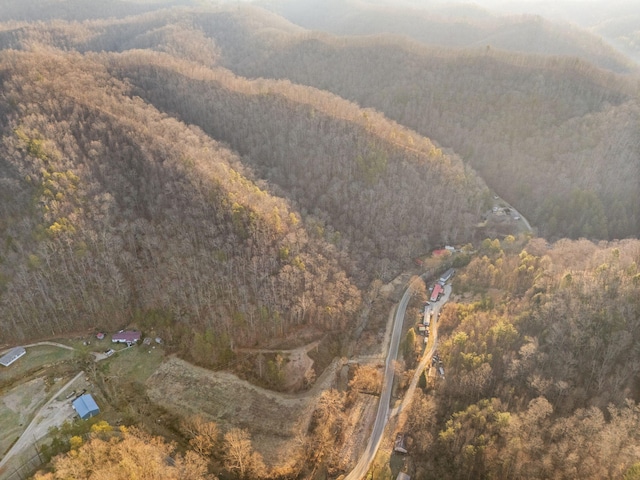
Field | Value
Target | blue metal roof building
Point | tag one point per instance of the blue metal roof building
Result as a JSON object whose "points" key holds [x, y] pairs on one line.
{"points": [[86, 406]]}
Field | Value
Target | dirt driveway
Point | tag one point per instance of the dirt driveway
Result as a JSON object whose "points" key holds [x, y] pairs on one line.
{"points": [[52, 414]]}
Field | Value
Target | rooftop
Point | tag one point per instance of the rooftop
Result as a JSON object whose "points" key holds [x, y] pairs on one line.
{"points": [[12, 355]]}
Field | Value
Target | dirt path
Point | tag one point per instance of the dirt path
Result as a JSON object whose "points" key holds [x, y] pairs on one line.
{"points": [[51, 414], [298, 367], [98, 356], [295, 351], [53, 344]]}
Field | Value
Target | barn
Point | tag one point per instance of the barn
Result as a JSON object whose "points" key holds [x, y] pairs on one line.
{"points": [[12, 355], [86, 406]]}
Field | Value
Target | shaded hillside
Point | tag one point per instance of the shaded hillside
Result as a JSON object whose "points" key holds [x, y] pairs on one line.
{"points": [[113, 211], [378, 190], [555, 137], [463, 25], [541, 370]]}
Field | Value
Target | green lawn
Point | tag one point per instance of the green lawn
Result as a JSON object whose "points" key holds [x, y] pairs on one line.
{"points": [[136, 363], [35, 357]]}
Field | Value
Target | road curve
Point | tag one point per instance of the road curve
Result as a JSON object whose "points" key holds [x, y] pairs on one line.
{"points": [[366, 458]]}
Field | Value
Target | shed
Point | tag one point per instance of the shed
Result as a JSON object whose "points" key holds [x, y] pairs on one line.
{"points": [[403, 476], [86, 406], [12, 355], [399, 446]]}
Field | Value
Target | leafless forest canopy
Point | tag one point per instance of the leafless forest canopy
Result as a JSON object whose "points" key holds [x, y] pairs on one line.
{"points": [[227, 178]]}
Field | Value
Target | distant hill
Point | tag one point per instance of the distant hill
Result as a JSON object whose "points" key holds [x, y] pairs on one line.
{"points": [[554, 136], [79, 10], [453, 25], [614, 20]]}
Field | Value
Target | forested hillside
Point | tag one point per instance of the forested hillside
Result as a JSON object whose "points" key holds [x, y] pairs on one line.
{"points": [[368, 194], [453, 25], [541, 370], [240, 185], [556, 137], [380, 191], [113, 211]]}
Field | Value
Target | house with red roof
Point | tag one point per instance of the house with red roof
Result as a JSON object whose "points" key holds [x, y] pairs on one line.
{"points": [[126, 336]]}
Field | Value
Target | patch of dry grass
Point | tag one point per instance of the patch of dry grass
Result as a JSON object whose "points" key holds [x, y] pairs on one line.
{"points": [[275, 420], [16, 409]]}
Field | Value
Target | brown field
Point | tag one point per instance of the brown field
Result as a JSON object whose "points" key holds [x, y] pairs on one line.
{"points": [[275, 420], [357, 428], [17, 407]]}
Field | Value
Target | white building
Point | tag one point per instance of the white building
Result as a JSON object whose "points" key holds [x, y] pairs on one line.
{"points": [[12, 355]]}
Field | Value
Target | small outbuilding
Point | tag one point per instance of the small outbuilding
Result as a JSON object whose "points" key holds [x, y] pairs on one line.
{"points": [[446, 276], [12, 355], [403, 476], [86, 406], [399, 446]]}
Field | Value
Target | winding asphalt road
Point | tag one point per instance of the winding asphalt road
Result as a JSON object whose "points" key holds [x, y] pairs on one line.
{"points": [[383, 415], [362, 466]]}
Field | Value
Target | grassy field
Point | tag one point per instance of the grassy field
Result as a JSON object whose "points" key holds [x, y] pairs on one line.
{"points": [[35, 358], [136, 363]]}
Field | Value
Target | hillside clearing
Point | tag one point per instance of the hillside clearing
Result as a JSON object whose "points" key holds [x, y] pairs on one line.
{"points": [[232, 402]]}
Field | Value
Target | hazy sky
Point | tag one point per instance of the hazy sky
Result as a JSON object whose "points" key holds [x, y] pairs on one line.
{"points": [[584, 12]]}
